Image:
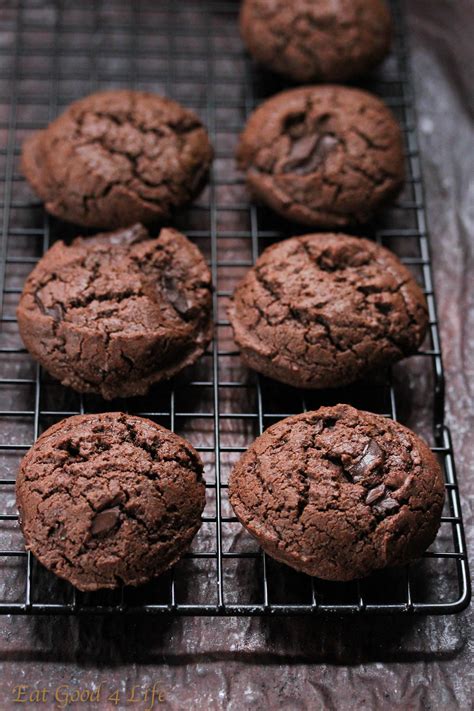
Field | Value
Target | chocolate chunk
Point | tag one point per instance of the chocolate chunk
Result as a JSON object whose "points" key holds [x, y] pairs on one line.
{"points": [[372, 458], [175, 295], [318, 427], [56, 311], [308, 153], [104, 521], [375, 494], [132, 235], [387, 505]]}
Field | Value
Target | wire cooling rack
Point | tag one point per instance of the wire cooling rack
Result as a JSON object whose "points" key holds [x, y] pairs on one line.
{"points": [[54, 52]]}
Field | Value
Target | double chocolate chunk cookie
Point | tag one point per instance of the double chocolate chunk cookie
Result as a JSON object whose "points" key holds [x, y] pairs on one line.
{"points": [[114, 313], [109, 499], [118, 157], [323, 310], [317, 40], [325, 156], [338, 493]]}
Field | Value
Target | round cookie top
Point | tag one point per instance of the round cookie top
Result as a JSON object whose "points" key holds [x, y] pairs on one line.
{"points": [[317, 40], [326, 156], [114, 313], [118, 157], [110, 498], [338, 493], [323, 310]]}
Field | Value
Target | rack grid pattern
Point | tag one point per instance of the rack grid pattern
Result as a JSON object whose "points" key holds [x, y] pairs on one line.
{"points": [[54, 53]]}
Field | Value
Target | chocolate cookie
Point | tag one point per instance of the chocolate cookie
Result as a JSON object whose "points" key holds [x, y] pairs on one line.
{"points": [[114, 313], [317, 40], [338, 493], [326, 156], [118, 157], [109, 499], [323, 310]]}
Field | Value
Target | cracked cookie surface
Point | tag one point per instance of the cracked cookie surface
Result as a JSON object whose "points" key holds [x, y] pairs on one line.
{"points": [[338, 493], [317, 40], [109, 499], [118, 157], [324, 310], [115, 313], [324, 156]]}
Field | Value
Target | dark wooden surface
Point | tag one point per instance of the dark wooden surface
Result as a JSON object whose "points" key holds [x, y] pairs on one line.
{"points": [[299, 664]]}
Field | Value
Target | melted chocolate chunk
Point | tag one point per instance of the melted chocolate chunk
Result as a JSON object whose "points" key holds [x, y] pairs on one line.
{"points": [[387, 506], [105, 521], [174, 293], [372, 458], [308, 153], [55, 311], [375, 494]]}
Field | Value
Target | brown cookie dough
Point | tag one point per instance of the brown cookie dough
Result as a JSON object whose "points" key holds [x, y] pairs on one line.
{"points": [[114, 313], [338, 493], [324, 310], [325, 156], [109, 499], [317, 40], [118, 157]]}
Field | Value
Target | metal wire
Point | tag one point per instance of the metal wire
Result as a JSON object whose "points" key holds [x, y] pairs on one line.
{"points": [[191, 51]]}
